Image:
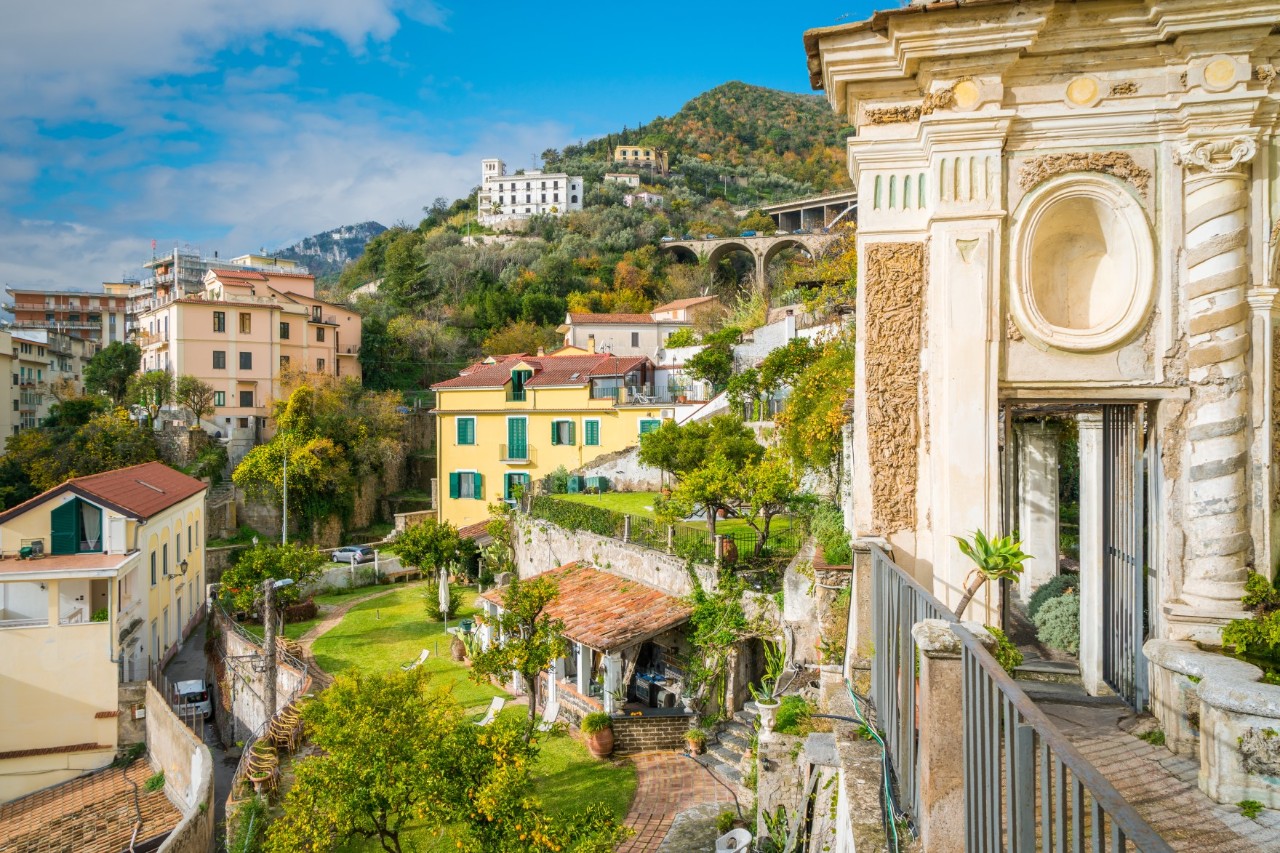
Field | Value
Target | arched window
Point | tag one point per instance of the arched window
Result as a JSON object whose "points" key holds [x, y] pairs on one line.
{"points": [[573, 199]]}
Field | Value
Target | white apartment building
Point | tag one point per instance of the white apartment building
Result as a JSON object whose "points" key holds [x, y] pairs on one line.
{"points": [[507, 198]]}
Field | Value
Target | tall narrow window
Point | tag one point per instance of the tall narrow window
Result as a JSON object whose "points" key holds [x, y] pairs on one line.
{"points": [[246, 322], [246, 361], [219, 321], [284, 331], [466, 431], [219, 359]]}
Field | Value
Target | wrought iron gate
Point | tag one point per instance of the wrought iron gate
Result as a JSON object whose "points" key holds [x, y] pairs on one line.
{"points": [[1124, 600]]}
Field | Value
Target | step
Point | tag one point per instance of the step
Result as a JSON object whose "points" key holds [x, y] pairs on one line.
{"points": [[730, 774], [1053, 693], [736, 738], [725, 755], [1060, 672]]}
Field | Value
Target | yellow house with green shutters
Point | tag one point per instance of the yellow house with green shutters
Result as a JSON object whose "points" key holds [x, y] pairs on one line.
{"points": [[508, 421]]}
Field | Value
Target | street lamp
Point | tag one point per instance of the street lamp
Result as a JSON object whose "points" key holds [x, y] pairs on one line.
{"points": [[269, 587]]}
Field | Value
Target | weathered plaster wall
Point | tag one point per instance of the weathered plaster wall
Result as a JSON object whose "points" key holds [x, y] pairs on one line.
{"points": [[625, 471], [188, 775]]}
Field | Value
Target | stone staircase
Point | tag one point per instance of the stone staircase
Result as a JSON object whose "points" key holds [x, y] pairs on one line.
{"points": [[1056, 682], [730, 756], [220, 494]]}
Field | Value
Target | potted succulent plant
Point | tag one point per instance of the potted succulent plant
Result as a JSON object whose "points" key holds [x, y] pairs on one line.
{"points": [[598, 727], [696, 740], [766, 695]]}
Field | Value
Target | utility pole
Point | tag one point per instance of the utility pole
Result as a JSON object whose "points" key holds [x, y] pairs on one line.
{"points": [[269, 641], [269, 644], [284, 511]]}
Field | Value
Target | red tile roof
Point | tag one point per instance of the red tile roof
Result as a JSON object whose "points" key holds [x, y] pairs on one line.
{"points": [[610, 318], [140, 491], [92, 814], [477, 531], [605, 611], [684, 303], [548, 370]]}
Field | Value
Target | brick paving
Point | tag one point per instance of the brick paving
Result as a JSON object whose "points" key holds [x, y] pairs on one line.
{"points": [[1161, 786], [667, 783], [92, 814]]}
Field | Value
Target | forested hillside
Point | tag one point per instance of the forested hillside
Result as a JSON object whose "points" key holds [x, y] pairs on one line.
{"points": [[449, 290]]}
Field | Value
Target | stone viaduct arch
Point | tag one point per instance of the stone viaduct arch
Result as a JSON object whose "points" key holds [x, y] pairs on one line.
{"points": [[762, 249]]}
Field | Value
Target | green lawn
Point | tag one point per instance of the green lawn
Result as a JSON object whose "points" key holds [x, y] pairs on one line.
{"points": [[641, 504], [567, 779], [381, 634]]}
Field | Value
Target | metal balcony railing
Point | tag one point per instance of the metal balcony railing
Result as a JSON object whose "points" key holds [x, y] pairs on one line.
{"points": [[517, 454]]}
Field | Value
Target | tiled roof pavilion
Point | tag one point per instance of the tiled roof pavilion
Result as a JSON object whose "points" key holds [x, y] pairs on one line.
{"points": [[606, 612]]}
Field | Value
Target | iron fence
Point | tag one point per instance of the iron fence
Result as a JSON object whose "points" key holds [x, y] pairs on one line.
{"points": [[898, 603], [1026, 787]]}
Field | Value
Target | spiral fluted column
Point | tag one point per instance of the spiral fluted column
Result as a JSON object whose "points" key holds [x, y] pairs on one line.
{"points": [[1216, 197]]}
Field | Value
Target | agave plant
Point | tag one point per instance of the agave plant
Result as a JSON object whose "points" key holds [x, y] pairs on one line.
{"points": [[998, 558]]}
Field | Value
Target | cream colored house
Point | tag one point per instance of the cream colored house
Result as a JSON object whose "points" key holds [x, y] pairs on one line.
{"points": [[113, 582], [633, 334]]}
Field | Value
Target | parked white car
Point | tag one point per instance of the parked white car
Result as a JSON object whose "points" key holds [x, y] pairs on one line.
{"points": [[193, 698]]}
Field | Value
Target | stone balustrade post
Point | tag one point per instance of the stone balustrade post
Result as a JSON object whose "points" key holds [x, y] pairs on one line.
{"points": [[941, 723], [626, 528]]}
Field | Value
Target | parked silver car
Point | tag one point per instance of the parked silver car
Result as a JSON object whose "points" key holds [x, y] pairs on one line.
{"points": [[353, 554]]}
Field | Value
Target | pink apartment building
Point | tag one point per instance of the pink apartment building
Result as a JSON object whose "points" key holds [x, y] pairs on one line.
{"points": [[242, 333]]}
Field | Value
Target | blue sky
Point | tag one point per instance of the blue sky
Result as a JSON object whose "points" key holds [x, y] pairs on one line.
{"points": [[235, 124]]}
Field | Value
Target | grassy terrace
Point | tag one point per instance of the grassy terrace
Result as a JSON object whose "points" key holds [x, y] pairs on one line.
{"points": [[641, 504], [381, 634]]}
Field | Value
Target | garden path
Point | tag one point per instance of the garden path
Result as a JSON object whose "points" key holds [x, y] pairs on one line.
{"points": [[667, 783]]}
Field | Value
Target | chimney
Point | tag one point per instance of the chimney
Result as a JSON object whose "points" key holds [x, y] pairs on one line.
{"points": [[591, 344], [541, 352]]}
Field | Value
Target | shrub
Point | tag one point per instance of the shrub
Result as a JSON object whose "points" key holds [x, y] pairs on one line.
{"points": [[557, 482], [1006, 653], [247, 826], [211, 462], [724, 820], [793, 716], [102, 614], [1257, 639], [828, 529], [1058, 623], [696, 735], [576, 516], [155, 783], [431, 599], [1056, 587], [597, 721], [681, 338], [366, 576], [300, 612]]}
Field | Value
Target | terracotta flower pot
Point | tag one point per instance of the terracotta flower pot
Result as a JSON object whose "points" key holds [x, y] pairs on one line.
{"points": [[729, 555], [600, 744], [458, 650], [696, 747]]}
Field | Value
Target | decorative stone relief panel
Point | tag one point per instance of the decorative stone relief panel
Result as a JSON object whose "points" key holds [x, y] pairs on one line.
{"points": [[1275, 415], [1118, 164], [894, 292]]}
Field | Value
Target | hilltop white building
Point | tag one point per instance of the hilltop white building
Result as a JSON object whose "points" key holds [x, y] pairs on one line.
{"points": [[506, 199]]}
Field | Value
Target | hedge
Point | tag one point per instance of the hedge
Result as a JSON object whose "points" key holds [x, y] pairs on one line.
{"points": [[576, 516]]}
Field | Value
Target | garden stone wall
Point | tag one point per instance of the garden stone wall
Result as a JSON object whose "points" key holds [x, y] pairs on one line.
{"points": [[542, 546], [645, 734], [187, 765]]}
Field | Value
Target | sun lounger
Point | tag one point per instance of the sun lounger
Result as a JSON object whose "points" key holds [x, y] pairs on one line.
{"points": [[550, 712], [494, 707], [422, 658]]}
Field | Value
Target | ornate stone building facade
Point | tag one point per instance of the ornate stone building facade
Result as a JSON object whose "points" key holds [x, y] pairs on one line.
{"points": [[1069, 214]]}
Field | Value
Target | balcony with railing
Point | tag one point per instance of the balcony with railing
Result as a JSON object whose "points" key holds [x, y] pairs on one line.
{"points": [[517, 454], [151, 339]]}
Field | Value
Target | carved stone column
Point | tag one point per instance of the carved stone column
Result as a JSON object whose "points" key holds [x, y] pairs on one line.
{"points": [[1216, 199], [1038, 503]]}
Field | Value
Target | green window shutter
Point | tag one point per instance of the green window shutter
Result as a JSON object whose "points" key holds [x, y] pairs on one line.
{"points": [[573, 439], [455, 485], [506, 487], [62, 529], [466, 431], [591, 433], [477, 490], [555, 432], [517, 438], [648, 425]]}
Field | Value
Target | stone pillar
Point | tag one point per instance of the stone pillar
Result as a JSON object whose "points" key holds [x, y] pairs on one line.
{"points": [[1219, 541], [612, 680], [584, 669], [1091, 562], [54, 603], [1263, 377], [941, 723], [1037, 503]]}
